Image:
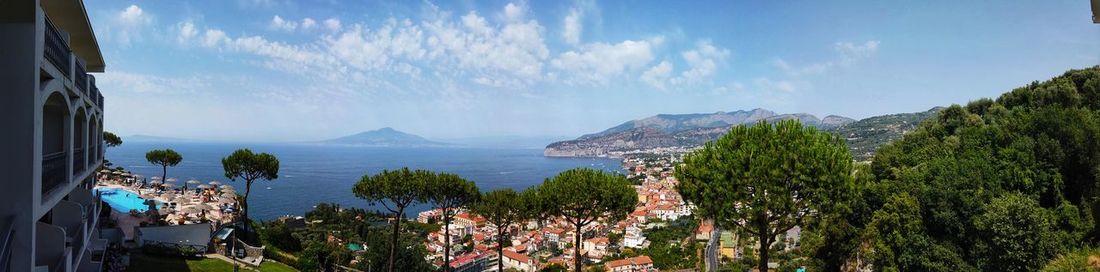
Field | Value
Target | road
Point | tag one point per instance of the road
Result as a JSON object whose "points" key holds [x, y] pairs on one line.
{"points": [[711, 253]]}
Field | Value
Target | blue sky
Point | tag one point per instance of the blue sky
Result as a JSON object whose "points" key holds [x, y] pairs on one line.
{"points": [[271, 70]]}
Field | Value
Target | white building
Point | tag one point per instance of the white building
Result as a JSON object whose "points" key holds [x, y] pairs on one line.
{"points": [[52, 144], [633, 237]]}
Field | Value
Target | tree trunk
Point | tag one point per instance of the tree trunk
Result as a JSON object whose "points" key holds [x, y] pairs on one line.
{"points": [[446, 242], [396, 235], [244, 211], [577, 249], [500, 249], [163, 174], [765, 242]]}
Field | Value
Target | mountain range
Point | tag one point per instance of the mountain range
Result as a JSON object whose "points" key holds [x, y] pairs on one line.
{"points": [[693, 130]]}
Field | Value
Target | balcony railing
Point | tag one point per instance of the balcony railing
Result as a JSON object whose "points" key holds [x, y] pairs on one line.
{"points": [[93, 91], [7, 235], [57, 50], [78, 160], [81, 80], [53, 171]]}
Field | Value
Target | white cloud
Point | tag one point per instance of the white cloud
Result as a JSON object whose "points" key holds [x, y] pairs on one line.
{"points": [[213, 38], [308, 23], [514, 12], [599, 62], [278, 23], [128, 25], [848, 54], [572, 29], [133, 15], [187, 32], [658, 75], [853, 52], [332, 24], [702, 63]]}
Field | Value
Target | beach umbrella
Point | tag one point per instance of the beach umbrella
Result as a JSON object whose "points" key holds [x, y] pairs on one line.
{"points": [[117, 172], [105, 171], [204, 186], [155, 182], [169, 185], [193, 181], [156, 177], [227, 186], [215, 183], [171, 180], [227, 200], [125, 174]]}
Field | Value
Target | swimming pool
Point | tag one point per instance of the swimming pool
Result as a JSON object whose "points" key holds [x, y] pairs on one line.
{"points": [[123, 200]]}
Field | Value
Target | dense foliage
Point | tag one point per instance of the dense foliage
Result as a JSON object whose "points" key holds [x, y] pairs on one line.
{"points": [[765, 179], [163, 158], [501, 208], [583, 195], [996, 185], [670, 247], [245, 165], [449, 192], [111, 140]]}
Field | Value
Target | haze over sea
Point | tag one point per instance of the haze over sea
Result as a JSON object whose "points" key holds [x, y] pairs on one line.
{"points": [[312, 174]]}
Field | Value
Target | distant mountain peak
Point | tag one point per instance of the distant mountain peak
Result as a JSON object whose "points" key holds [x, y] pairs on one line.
{"points": [[385, 137]]}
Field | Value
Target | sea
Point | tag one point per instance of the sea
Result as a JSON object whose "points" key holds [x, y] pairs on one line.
{"points": [[310, 174]]}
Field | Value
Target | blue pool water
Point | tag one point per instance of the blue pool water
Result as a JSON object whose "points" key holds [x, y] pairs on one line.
{"points": [[122, 200]]}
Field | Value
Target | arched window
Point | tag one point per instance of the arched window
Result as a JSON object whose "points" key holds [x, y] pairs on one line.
{"points": [[55, 125]]}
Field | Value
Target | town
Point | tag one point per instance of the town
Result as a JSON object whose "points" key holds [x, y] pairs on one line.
{"points": [[614, 246]]}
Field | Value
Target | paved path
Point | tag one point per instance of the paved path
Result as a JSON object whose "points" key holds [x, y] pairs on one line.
{"points": [[711, 253]]}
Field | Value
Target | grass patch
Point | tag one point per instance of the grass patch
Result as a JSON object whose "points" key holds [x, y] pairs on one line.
{"points": [[268, 266], [141, 262]]}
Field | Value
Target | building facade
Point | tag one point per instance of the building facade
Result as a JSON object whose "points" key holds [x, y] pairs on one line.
{"points": [[52, 144]]}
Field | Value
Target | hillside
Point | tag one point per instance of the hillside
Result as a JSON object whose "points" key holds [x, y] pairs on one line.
{"points": [[685, 131], [865, 136]]}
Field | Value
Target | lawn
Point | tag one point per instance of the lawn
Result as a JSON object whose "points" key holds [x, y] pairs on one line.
{"points": [[140, 262]]}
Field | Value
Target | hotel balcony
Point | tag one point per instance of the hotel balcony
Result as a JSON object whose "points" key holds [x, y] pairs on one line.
{"points": [[51, 252], [70, 67], [72, 107]]}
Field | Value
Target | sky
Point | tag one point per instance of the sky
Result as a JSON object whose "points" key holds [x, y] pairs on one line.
{"points": [[274, 70]]}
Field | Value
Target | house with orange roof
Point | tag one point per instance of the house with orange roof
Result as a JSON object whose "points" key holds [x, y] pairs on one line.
{"points": [[517, 261], [640, 263], [595, 248]]}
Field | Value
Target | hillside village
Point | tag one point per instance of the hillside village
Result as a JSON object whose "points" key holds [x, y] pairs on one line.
{"points": [[537, 245]]}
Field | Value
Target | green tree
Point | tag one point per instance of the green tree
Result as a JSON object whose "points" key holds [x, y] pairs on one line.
{"points": [[163, 158], [248, 166], [898, 240], [765, 179], [1016, 234], [395, 191], [582, 195], [449, 192], [502, 208], [111, 140]]}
